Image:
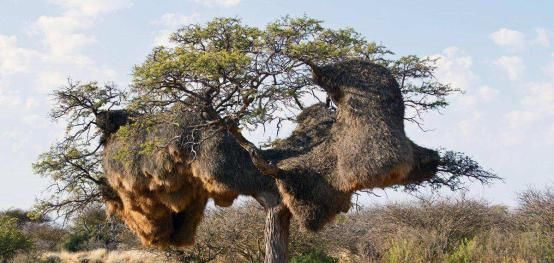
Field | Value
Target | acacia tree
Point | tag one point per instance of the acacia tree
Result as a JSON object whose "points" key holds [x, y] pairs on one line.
{"points": [[73, 164], [223, 78]]}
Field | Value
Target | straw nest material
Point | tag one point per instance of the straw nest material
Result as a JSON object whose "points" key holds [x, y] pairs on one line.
{"points": [[362, 145], [162, 192], [164, 173]]}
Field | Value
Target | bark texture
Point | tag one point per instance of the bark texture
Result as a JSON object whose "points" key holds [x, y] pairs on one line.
{"points": [[277, 225]]}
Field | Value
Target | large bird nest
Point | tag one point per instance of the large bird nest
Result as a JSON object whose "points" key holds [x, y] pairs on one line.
{"points": [[163, 173]]}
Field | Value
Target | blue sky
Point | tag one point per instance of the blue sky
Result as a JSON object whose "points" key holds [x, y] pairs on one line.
{"points": [[501, 53]]}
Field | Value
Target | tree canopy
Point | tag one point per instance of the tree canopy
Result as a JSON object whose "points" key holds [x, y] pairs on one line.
{"points": [[251, 76]]}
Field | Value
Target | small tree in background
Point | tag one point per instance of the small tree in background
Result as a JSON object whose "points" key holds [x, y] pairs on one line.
{"points": [[228, 77], [12, 239]]}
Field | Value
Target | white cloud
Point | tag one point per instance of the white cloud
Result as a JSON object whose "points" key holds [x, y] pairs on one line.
{"points": [[521, 118], [549, 135], [50, 80], [94, 7], [540, 98], [469, 126], [65, 35], [505, 37], [512, 65], [487, 93], [8, 99], [62, 36], [548, 69], [454, 67], [50, 48], [35, 121], [171, 22], [175, 20], [14, 59], [162, 38], [31, 103], [223, 3], [542, 38], [534, 115]]}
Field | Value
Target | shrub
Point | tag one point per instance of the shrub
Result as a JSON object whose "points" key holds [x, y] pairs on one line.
{"points": [[46, 237], [430, 230], [313, 256], [12, 239], [537, 208], [75, 242], [465, 252]]}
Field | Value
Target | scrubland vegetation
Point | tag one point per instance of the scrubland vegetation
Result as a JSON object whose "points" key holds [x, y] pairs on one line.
{"points": [[432, 229]]}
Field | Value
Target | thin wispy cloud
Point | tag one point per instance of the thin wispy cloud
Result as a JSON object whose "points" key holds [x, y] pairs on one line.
{"points": [[13, 58], [514, 40], [454, 67], [533, 115], [513, 66], [170, 22], [509, 38], [65, 35], [542, 37], [548, 69], [93, 7], [220, 3]]}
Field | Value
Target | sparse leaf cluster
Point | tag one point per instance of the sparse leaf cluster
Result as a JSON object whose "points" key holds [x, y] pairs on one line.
{"points": [[73, 164]]}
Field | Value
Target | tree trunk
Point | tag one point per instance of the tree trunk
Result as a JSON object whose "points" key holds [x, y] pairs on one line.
{"points": [[277, 224]]}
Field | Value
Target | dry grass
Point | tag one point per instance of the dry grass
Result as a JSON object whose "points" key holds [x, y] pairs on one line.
{"points": [[429, 230], [104, 256]]}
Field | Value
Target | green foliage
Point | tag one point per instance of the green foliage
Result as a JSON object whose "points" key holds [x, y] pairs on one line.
{"points": [[73, 164], [75, 241], [75, 173], [306, 39], [464, 253], [77, 102], [236, 72], [12, 239], [92, 229], [313, 256], [24, 217], [404, 251], [430, 230]]}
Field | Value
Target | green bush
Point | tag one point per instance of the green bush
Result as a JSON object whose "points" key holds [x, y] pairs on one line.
{"points": [[12, 239], [75, 242], [313, 256], [404, 251], [465, 252]]}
